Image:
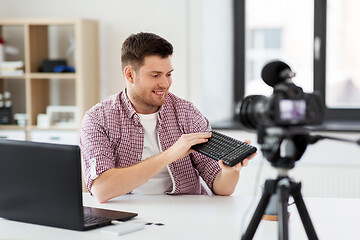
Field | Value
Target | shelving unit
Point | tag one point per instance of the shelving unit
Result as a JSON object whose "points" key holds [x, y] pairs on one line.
{"points": [[34, 90]]}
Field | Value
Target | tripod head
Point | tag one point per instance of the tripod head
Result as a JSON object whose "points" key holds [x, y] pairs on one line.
{"points": [[283, 146]]}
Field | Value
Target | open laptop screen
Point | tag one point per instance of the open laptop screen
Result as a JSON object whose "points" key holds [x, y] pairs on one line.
{"points": [[41, 183]]}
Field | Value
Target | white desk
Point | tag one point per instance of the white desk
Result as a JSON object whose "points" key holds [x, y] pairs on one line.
{"points": [[203, 217]]}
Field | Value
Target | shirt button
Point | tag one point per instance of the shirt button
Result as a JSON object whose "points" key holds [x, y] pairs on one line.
{"points": [[140, 130]]}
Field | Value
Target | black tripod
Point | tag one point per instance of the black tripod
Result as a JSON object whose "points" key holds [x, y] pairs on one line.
{"points": [[283, 187], [282, 147]]}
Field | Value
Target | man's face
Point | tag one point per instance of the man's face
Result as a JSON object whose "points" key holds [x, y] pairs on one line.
{"points": [[150, 84]]}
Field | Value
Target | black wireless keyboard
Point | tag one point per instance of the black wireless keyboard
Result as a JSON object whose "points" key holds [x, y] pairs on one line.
{"points": [[225, 148]]}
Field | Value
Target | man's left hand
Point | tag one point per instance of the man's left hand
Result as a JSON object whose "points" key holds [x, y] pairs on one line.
{"points": [[238, 166]]}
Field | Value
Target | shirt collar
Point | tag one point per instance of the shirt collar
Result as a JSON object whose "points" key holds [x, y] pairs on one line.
{"points": [[128, 106]]}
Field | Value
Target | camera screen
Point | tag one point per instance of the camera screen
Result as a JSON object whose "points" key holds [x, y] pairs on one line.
{"points": [[292, 109]]}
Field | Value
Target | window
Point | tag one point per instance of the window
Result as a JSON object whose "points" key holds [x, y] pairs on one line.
{"points": [[343, 54], [316, 38], [264, 45]]}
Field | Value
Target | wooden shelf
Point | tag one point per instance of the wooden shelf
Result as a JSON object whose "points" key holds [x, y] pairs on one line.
{"points": [[39, 89], [52, 75], [13, 77], [11, 127], [41, 21]]}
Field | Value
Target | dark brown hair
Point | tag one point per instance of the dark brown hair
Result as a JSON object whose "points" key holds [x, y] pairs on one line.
{"points": [[137, 46]]}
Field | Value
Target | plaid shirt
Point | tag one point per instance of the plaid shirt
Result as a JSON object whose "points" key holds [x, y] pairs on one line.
{"points": [[112, 137]]}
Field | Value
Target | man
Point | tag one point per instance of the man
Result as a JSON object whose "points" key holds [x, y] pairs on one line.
{"points": [[140, 139]]}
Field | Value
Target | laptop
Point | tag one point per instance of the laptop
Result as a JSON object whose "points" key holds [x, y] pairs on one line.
{"points": [[40, 183]]}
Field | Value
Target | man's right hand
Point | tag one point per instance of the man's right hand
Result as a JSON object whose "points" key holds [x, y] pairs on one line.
{"points": [[182, 146]]}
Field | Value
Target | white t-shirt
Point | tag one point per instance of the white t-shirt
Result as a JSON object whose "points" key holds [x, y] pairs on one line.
{"points": [[161, 182]]}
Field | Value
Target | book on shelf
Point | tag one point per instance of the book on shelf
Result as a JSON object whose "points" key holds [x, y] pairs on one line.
{"points": [[11, 68], [11, 72]]}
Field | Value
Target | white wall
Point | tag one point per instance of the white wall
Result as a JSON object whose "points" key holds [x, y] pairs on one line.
{"points": [[217, 59], [200, 33]]}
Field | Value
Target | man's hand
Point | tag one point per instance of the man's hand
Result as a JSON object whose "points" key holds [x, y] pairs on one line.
{"points": [[182, 146], [227, 179], [238, 166]]}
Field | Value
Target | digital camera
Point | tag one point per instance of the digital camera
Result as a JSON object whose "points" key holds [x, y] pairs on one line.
{"points": [[287, 106]]}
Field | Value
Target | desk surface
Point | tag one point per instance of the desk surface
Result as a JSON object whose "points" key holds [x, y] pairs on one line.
{"points": [[203, 217]]}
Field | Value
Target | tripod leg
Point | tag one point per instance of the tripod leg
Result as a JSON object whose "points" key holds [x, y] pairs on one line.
{"points": [[259, 212], [282, 211], [304, 214]]}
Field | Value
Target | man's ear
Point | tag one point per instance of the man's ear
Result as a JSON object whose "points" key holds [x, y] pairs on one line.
{"points": [[129, 73]]}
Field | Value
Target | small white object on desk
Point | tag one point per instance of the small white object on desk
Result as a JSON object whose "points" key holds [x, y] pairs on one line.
{"points": [[121, 228]]}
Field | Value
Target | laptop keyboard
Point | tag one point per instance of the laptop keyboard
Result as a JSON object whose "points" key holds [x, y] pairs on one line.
{"points": [[91, 219]]}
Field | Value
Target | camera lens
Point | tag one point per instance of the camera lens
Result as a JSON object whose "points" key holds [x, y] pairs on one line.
{"points": [[250, 110]]}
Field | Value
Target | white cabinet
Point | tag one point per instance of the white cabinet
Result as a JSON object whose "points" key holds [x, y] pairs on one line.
{"points": [[55, 136], [13, 134]]}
